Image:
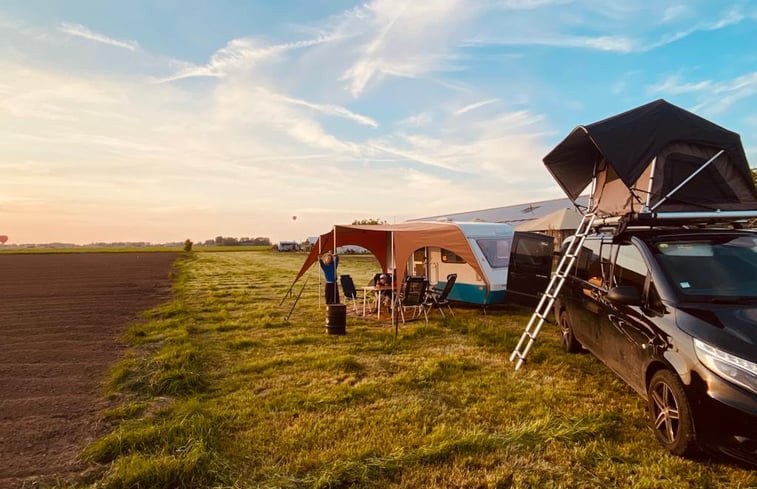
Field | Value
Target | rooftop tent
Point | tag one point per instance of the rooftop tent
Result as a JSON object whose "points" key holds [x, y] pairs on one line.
{"points": [[406, 238], [654, 157]]}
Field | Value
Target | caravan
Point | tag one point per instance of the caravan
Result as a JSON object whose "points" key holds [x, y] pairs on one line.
{"points": [[493, 262]]}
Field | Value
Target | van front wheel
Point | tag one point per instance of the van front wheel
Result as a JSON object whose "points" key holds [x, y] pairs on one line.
{"points": [[670, 413]]}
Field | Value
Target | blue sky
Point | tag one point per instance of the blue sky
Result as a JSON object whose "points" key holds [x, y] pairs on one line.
{"points": [[165, 120]]}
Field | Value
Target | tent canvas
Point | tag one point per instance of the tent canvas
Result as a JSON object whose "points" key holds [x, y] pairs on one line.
{"points": [[654, 157], [559, 220]]}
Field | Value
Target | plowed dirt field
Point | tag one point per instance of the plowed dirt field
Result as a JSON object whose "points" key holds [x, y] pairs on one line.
{"points": [[60, 319]]}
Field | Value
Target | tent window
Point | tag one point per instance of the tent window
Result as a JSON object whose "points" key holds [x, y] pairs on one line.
{"points": [[449, 257], [707, 187], [496, 251]]}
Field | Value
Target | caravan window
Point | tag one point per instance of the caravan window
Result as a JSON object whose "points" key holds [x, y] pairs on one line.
{"points": [[449, 257], [496, 251]]}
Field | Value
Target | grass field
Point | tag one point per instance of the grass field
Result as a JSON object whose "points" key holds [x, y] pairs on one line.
{"points": [[218, 390]]}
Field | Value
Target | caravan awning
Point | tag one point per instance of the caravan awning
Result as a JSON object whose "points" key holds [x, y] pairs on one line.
{"points": [[630, 140], [407, 237]]}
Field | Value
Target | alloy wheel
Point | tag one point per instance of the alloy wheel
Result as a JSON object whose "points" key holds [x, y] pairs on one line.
{"points": [[665, 411], [670, 413]]}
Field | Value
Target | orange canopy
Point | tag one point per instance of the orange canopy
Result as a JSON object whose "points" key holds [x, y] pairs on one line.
{"points": [[405, 238]]}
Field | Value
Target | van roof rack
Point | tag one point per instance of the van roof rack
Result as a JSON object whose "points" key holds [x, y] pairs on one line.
{"points": [[618, 224]]}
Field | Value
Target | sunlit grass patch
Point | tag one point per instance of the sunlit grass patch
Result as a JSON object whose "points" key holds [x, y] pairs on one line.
{"points": [[220, 390]]}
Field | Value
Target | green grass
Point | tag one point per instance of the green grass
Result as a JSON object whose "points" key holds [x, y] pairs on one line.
{"points": [[218, 390]]}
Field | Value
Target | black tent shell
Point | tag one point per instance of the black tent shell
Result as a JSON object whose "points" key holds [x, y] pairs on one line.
{"points": [[625, 145]]}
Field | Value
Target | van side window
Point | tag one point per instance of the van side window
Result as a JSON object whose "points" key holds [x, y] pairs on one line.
{"points": [[588, 259], [630, 268]]}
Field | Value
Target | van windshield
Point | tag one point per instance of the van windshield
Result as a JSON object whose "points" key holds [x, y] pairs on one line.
{"points": [[711, 267]]}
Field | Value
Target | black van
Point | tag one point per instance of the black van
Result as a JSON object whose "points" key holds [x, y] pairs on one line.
{"points": [[674, 314]]}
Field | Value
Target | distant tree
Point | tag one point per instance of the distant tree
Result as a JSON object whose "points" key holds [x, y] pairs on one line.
{"points": [[219, 240], [188, 245], [261, 241], [369, 222], [230, 241]]}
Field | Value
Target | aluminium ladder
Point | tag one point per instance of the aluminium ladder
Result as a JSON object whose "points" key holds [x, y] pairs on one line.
{"points": [[555, 284]]}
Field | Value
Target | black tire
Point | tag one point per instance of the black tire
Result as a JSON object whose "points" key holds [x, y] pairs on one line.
{"points": [[670, 413], [569, 342]]}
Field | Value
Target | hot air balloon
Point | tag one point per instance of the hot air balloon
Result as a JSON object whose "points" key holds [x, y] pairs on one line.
{"points": [[3, 239], [294, 218]]}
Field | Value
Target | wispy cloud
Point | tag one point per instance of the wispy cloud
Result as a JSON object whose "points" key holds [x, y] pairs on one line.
{"points": [[529, 4], [79, 30], [402, 39], [674, 13], [240, 54], [711, 97], [617, 44], [421, 119], [724, 95], [547, 33], [487, 146], [475, 106], [330, 109], [731, 17], [673, 85]]}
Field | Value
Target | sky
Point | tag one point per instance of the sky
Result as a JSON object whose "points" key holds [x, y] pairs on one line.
{"points": [[165, 120]]}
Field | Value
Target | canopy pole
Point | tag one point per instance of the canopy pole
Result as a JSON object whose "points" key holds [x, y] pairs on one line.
{"points": [[707, 163], [336, 266], [394, 288], [320, 250], [288, 292], [297, 299]]}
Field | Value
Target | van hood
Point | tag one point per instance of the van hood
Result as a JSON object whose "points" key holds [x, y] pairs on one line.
{"points": [[729, 327]]}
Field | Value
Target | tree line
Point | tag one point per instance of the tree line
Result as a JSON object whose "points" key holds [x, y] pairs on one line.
{"points": [[232, 241]]}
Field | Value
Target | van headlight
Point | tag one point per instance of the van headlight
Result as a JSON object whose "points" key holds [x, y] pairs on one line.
{"points": [[729, 366]]}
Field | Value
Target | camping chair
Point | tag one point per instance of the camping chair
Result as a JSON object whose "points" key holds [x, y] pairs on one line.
{"points": [[348, 287], [413, 295], [437, 298]]}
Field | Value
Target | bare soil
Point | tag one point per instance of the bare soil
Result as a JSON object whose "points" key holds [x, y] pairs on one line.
{"points": [[60, 320]]}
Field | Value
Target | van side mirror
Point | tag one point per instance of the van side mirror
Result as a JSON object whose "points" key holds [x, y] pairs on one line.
{"points": [[625, 294]]}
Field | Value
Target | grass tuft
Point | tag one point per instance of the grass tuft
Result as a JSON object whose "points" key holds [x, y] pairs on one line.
{"points": [[342, 363]]}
